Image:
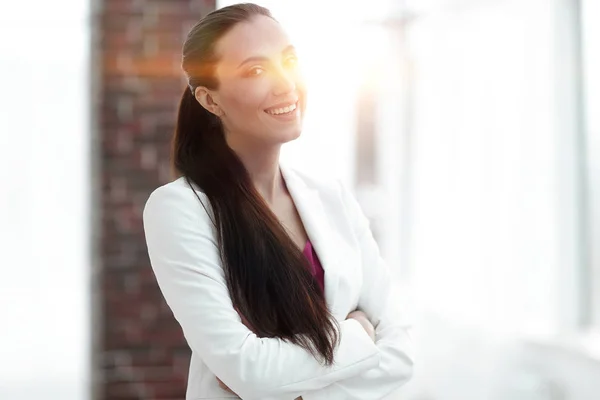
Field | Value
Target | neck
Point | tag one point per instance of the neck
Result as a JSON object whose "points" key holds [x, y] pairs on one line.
{"points": [[262, 164]]}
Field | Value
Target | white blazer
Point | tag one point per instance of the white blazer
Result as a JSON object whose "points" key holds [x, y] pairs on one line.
{"points": [[185, 259]]}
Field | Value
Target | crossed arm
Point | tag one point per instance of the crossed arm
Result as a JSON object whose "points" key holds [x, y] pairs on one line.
{"points": [[186, 263], [360, 316], [392, 338]]}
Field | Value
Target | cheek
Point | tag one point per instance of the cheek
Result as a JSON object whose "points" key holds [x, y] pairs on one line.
{"points": [[301, 89], [300, 80], [243, 99]]}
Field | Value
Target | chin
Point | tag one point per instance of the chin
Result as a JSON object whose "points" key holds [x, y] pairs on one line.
{"points": [[291, 135], [281, 136]]}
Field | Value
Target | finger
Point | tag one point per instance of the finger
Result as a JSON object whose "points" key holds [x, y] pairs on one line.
{"points": [[224, 386], [356, 314]]}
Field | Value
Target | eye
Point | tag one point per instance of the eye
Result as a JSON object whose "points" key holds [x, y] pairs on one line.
{"points": [[255, 71], [291, 61]]}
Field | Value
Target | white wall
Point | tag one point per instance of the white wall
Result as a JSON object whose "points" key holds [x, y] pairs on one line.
{"points": [[591, 54], [496, 245], [44, 194]]}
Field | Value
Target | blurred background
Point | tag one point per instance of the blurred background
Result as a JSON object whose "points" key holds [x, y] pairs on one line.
{"points": [[469, 131]]}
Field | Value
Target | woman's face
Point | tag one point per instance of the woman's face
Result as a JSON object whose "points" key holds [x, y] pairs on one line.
{"points": [[261, 93]]}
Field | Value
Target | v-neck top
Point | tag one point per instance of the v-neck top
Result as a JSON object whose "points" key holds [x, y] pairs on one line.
{"points": [[315, 265]]}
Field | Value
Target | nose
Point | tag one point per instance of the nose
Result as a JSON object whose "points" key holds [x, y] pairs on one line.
{"points": [[284, 82]]}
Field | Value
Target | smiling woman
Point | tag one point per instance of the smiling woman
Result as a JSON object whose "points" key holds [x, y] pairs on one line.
{"points": [[274, 276], [260, 95]]}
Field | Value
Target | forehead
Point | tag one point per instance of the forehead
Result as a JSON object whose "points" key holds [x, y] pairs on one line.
{"points": [[260, 36]]}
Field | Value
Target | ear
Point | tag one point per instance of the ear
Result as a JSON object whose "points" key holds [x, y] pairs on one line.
{"points": [[206, 98]]}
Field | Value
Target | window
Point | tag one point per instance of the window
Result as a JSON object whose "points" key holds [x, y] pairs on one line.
{"points": [[591, 94], [498, 228], [45, 233]]}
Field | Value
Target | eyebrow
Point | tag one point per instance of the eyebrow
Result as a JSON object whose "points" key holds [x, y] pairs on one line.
{"points": [[288, 49]]}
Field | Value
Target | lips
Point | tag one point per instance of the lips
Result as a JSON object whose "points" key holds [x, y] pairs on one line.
{"points": [[283, 108]]}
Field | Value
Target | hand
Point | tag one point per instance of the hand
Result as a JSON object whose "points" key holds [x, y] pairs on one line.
{"points": [[362, 318], [225, 387]]}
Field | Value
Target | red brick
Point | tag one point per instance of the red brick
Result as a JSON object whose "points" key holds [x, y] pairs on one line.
{"points": [[142, 351]]}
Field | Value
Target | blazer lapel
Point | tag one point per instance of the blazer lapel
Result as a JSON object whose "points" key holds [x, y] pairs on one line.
{"points": [[319, 231]]}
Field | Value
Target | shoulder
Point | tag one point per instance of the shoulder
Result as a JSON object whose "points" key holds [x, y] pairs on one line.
{"points": [[332, 190], [336, 199], [324, 184], [176, 201]]}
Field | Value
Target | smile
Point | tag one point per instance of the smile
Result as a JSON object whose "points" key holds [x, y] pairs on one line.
{"points": [[282, 110]]}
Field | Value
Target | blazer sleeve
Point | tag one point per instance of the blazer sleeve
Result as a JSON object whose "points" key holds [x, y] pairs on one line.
{"points": [[392, 336], [185, 260]]}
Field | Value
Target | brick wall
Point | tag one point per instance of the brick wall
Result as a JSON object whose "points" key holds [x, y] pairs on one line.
{"points": [[139, 350]]}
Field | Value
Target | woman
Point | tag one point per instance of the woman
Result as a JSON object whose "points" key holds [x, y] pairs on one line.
{"points": [[274, 276]]}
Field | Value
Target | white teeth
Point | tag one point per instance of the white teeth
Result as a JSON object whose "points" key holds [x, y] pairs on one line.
{"points": [[282, 110]]}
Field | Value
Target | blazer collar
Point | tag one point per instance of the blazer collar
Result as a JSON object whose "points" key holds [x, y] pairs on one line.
{"points": [[318, 228]]}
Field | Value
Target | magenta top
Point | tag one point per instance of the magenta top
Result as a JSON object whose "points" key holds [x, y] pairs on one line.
{"points": [[315, 265]]}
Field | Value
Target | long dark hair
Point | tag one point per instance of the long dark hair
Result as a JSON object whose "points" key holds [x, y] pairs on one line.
{"points": [[267, 275]]}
